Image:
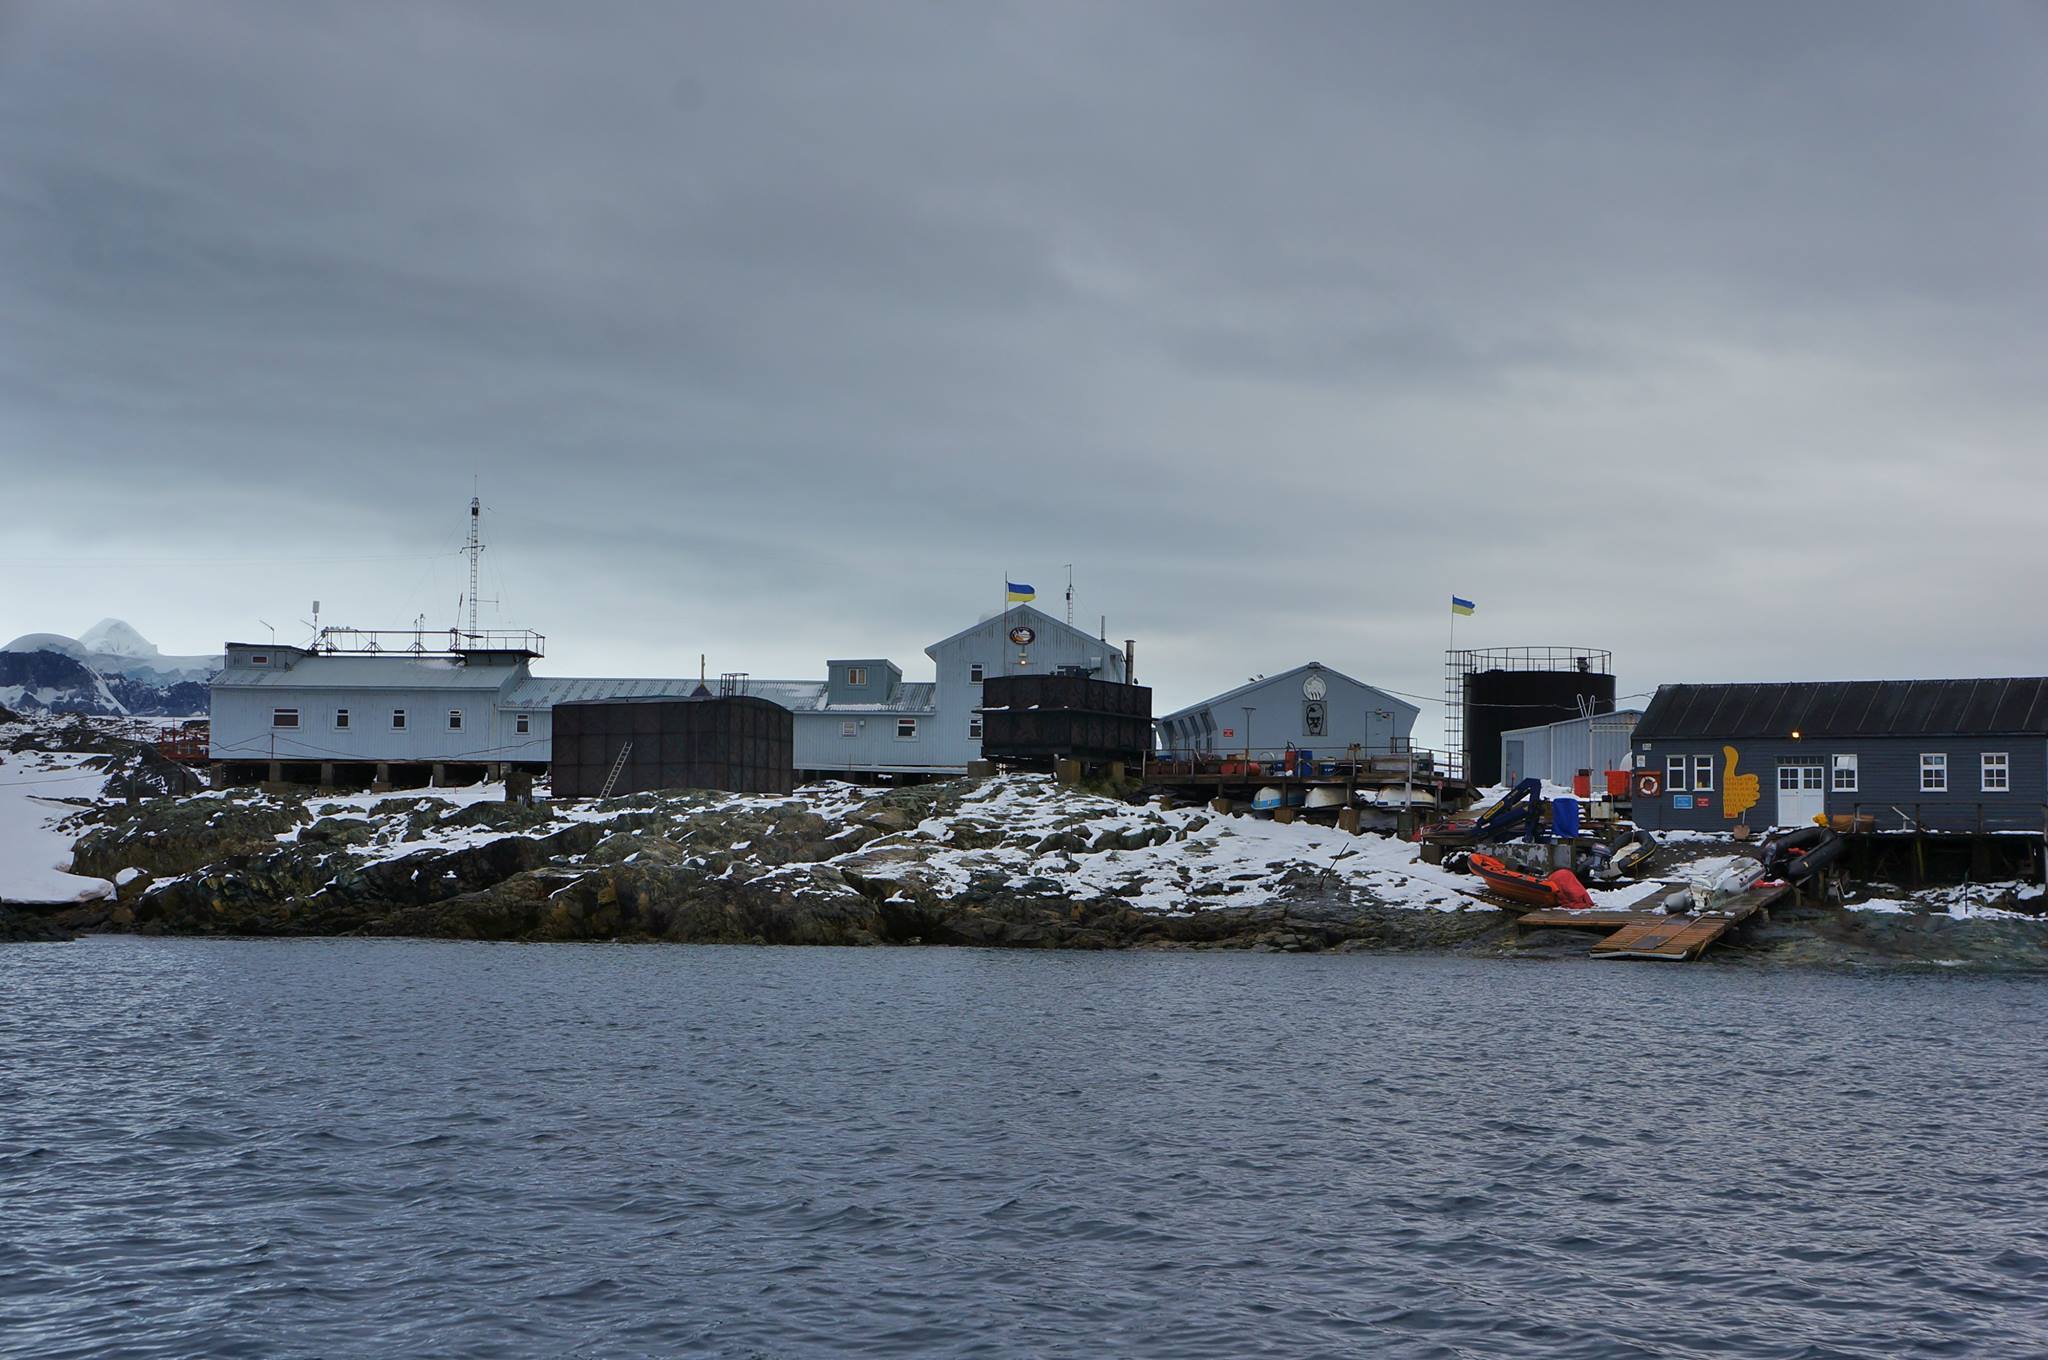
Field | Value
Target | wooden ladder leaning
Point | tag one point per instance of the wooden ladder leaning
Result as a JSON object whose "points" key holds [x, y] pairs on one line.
{"points": [[611, 781]]}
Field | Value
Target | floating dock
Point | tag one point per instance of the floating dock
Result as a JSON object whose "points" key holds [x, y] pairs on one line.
{"points": [[1643, 930]]}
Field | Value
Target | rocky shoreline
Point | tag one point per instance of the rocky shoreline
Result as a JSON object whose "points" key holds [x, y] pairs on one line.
{"points": [[1012, 862]]}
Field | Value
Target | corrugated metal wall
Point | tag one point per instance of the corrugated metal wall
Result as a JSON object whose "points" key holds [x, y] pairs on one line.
{"points": [[1556, 751], [243, 729]]}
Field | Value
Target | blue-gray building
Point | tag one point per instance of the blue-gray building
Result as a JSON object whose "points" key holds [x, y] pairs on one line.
{"points": [[284, 712], [1311, 707], [1951, 755]]}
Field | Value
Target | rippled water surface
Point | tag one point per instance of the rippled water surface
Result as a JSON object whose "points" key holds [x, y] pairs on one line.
{"points": [[382, 1148]]}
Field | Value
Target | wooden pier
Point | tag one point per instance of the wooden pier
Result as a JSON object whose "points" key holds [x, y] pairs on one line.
{"points": [[1643, 930]]}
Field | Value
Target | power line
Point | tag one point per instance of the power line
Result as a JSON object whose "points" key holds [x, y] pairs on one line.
{"points": [[92, 560]]}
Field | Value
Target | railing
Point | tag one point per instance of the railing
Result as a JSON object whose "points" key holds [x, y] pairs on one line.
{"points": [[419, 641], [185, 745], [1417, 763], [1949, 816]]}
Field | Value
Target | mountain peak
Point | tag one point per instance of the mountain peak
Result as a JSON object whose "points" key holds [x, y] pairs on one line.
{"points": [[117, 638]]}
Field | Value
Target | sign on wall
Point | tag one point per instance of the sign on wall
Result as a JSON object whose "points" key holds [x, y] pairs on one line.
{"points": [[1314, 717]]}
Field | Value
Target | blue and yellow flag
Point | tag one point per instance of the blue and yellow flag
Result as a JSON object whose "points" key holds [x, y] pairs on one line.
{"points": [[1459, 606], [1020, 593]]}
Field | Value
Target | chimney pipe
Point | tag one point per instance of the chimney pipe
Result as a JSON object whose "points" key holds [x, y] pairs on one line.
{"points": [[1130, 661]]}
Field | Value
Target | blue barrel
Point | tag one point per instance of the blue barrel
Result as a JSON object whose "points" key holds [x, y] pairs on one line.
{"points": [[1564, 816]]}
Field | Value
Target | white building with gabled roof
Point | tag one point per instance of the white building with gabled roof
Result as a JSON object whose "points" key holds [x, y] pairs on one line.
{"points": [[1312, 707]]}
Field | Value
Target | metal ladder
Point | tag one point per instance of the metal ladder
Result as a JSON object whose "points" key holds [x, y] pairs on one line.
{"points": [[611, 781]]}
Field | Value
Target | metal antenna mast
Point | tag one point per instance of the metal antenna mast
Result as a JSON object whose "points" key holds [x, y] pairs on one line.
{"points": [[1070, 594], [475, 550]]}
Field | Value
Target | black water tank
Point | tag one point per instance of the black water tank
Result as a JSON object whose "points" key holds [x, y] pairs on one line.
{"points": [[1498, 701], [740, 743], [1039, 718]]}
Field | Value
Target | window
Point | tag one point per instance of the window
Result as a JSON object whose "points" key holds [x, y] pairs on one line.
{"points": [[1933, 772], [1674, 772], [454, 720], [398, 720], [857, 677], [284, 717], [341, 720], [522, 723], [849, 728], [976, 673], [1703, 772], [974, 728], [906, 729], [1845, 774], [259, 658], [1997, 771]]}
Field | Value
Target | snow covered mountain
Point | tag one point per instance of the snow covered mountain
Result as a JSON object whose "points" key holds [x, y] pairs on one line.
{"points": [[110, 669]]}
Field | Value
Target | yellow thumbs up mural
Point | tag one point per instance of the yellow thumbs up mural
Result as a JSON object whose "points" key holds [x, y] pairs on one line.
{"points": [[1739, 792]]}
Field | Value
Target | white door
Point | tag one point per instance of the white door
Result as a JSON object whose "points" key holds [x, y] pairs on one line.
{"points": [[1802, 795]]}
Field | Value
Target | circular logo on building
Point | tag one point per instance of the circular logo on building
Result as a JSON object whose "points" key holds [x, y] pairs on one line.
{"points": [[1314, 687], [1023, 635]]}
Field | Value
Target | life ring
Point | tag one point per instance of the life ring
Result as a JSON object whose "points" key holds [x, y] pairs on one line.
{"points": [[1648, 784]]}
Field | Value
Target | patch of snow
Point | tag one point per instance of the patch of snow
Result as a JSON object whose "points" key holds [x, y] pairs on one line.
{"points": [[35, 852]]}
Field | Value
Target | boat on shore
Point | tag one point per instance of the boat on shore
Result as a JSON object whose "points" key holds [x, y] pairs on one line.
{"points": [[1560, 889]]}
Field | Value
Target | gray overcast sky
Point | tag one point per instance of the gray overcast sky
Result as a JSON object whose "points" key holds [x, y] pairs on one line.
{"points": [[1711, 334]]}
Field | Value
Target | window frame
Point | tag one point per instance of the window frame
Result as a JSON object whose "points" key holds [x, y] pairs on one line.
{"points": [[1839, 765], [856, 677], [975, 727], [906, 729], [1934, 762], [341, 720], [278, 723], [1676, 770], [1703, 774], [522, 724], [455, 719], [2003, 767], [848, 727], [976, 672], [398, 720], [259, 658]]}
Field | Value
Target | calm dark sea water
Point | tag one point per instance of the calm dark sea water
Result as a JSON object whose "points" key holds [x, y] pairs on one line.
{"points": [[395, 1148]]}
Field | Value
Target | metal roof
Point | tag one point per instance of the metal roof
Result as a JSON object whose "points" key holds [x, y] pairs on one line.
{"points": [[798, 696], [1623, 718], [547, 691], [368, 672], [1224, 698], [1847, 708]]}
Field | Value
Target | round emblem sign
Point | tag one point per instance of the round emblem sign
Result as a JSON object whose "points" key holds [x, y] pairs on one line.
{"points": [[1023, 635], [1314, 687], [1648, 784]]}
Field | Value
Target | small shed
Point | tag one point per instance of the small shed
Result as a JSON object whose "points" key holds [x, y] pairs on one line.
{"points": [[1554, 752], [733, 742], [1887, 755]]}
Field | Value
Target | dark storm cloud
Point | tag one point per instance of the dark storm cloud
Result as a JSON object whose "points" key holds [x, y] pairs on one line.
{"points": [[1707, 334]]}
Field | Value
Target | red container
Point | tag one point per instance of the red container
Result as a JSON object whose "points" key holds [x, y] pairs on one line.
{"points": [[1617, 783], [1582, 784]]}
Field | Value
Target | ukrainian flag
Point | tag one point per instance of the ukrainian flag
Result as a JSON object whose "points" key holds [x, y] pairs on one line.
{"points": [[1459, 606], [1020, 593]]}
